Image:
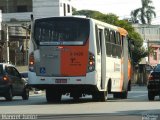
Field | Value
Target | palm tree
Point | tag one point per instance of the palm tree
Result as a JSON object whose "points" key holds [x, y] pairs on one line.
{"points": [[145, 13]]}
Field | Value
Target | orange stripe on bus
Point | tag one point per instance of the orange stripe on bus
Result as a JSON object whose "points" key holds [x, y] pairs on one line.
{"points": [[122, 31], [122, 77], [129, 70]]}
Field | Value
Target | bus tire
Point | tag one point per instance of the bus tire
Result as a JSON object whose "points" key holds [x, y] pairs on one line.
{"points": [[116, 95], [121, 95], [100, 96], [25, 94], [9, 94], [52, 96], [75, 98], [124, 95]]}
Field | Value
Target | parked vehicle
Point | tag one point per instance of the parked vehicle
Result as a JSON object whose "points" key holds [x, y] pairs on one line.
{"points": [[12, 83], [153, 84]]}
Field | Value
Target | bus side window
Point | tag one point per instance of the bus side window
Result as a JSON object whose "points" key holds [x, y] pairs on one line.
{"points": [[118, 45], [108, 43], [112, 36], [97, 40], [100, 36], [122, 44], [113, 41]]}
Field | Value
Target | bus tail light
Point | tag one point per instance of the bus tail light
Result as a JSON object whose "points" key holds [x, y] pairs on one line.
{"points": [[91, 62], [31, 62]]}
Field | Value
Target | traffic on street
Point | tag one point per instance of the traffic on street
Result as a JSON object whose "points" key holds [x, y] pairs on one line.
{"points": [[79, 60], [136, 106]]}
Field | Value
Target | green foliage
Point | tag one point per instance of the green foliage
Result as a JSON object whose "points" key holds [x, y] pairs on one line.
{"points": [[139, 52]]}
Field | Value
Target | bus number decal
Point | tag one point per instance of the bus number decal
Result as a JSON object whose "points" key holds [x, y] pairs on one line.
{"points": [[74, 58]]}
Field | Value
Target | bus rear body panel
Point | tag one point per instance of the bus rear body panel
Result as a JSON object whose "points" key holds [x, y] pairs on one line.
{"points": [[62, 61]]}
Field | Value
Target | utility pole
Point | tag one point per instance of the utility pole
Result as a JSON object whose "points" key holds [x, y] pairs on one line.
{"points": [[7, 41]]}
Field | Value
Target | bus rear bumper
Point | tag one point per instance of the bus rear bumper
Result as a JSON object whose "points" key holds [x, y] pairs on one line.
{"points": [[89, 79]]}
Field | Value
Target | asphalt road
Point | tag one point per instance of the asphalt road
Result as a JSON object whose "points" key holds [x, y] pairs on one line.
{"points": [[135, 107]]}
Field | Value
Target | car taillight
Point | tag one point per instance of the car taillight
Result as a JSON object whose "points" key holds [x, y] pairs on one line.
{"points": [[150, 77], [31, 62], [5, 78], [91, 62]]}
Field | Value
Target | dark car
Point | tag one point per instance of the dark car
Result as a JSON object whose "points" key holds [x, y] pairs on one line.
{"points": [[24, 75], [153, 84], [12, 83]]}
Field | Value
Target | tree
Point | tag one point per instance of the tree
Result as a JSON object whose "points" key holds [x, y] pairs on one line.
{"points": [[139, 52], [145, 14]]}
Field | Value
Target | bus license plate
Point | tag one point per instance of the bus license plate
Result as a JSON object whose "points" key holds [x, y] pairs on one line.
{"points": [[61, 81]]}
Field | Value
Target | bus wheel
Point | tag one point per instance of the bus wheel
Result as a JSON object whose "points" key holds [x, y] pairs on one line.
{"points": [[121, 95], [76, 98], [124, 95], [116, 95], [100, 96], [52, 96], [9, 95]]}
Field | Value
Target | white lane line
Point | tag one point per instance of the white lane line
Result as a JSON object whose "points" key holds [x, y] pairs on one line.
{"points": [[138, 96]]}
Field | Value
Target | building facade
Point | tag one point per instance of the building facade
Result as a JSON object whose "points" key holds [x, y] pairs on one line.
{"points": [[151, 37], [22, 9], [16, 19]]}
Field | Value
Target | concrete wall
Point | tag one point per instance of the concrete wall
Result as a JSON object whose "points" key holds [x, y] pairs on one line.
{"points": [[148, 32], [151, 36], [17, 16], [12, 6], [39, 8]]}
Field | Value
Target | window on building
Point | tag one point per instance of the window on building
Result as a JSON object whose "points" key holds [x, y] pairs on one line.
{"points": [[155, 55], [64, 9], [22, 8], [68, 8]]}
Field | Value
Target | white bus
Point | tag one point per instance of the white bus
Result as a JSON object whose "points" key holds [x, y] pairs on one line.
{"points": [[79, 56]]}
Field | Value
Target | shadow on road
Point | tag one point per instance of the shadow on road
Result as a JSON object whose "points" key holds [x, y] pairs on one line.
{"points": [[41, 100]]}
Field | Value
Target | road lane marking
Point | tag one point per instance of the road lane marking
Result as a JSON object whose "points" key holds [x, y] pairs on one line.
{"points": [[138, 96]]}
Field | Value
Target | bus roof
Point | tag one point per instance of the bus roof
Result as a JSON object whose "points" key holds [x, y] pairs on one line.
{"points": [[122, 31]]}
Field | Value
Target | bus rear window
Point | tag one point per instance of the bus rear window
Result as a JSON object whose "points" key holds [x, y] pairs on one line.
{"points": [[61, 31]]}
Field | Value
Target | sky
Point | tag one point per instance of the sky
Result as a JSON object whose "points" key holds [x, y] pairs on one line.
{"points": [[121, 8]]}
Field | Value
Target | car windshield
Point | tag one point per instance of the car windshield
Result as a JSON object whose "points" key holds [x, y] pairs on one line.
{"points": [[157, 68]]}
